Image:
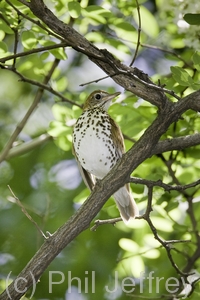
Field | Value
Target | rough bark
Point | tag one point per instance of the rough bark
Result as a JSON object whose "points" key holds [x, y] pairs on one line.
{"points": [[135, 81]]}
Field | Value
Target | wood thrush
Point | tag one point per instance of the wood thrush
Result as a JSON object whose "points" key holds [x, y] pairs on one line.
{"points": [[98, 144]]}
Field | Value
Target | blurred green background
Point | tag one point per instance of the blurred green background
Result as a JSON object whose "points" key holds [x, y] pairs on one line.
{"points": [[46, 178]]}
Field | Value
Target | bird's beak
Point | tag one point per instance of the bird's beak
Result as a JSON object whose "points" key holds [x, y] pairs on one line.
{"points": [[111, 96], [108, 98]]}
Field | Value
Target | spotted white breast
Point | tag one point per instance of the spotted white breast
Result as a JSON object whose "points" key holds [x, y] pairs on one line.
{"points": [[93, 144]]}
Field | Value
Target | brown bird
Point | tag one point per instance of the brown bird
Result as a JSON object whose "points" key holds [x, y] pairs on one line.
{"points": [[98, 144]]}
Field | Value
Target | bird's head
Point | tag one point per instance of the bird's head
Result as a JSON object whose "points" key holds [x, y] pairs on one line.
{"points": [[99, 99]]}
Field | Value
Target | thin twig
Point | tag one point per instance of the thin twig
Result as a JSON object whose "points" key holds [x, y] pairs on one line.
{"points": [[156, 87], [166, 187], [4, 19], [165, 244], [173, 53], [18, 202], [43, 86], [33, 106], [97, 223], [192, 287], [150, 184], [32, 51], [166, 51], [139, 33], [15, 47], [128, 73], [187, 196], [138, 253], [95, 81], [38, 23], [15, 37], [149, 208]]}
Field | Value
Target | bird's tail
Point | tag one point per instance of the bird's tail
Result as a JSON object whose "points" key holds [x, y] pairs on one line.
{"points": [[126, 204]]}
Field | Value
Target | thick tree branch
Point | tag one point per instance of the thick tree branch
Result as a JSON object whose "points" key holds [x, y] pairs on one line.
{"points": [[135, 81], [103, 190], [128, 77], [178, 143]]}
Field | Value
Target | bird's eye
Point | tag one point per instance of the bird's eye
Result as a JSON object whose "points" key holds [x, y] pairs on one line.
{"points": [[97, 96]]}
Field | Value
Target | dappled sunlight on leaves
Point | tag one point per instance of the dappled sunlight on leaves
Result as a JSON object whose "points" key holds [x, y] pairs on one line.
{"points": [[50, 67]]}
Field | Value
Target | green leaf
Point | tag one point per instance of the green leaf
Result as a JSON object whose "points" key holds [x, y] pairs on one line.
{"points": [[162, 224], [97, 14], [61, 84], [46, 43], [196, 60], [177, 43], [2, 35], [192, 152], [171, 205], [124, 29], [192, 19], [44, 55], [63, 142], [128, 245], [195, 86], [100, 38], [59, 53], [5, 28], [84, 3], [62, 113], [3, 47], [29, 40], [57, 128], [149, 23], [181, 76], [74, 9], [95, 37], [98, 10], [80, 198]]}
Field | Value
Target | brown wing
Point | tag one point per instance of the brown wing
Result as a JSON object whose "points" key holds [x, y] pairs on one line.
{"points": [[117, 137], [88, 178], [118, 140]]}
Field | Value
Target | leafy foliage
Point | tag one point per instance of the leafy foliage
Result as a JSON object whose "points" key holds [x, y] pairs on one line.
{"points": [[45, 177], [192, 19]]}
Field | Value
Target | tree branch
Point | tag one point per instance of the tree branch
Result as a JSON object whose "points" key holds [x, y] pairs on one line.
{"points": [[42, 85], [168, 113], [28, 146], [165, 244], [80, 221], [121, 74], [16, 200], [166, 187], [33, 106], [139, 33], [178, 143], [32, 51]]}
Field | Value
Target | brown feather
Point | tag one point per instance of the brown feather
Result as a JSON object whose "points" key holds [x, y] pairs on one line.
{"points": [[88, 178], [117, 137]]}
